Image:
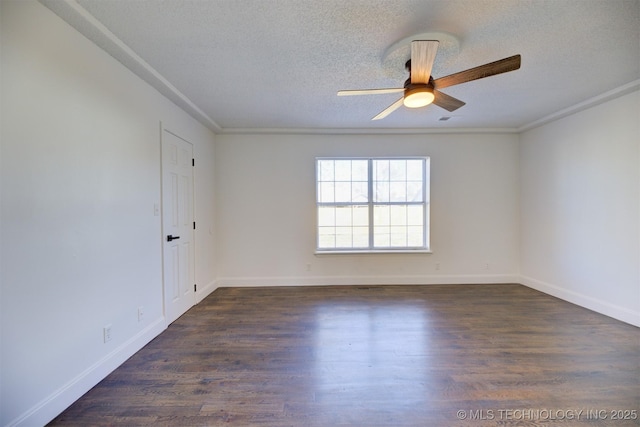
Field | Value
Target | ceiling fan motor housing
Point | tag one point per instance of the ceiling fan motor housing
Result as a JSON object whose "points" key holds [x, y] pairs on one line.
{"points": [[418, 95]]}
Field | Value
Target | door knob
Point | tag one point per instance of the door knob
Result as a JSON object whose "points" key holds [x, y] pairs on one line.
{"points": [[170, 237]]}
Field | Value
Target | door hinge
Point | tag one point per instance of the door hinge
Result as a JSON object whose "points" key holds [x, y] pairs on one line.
{"points": [[195, 288], [194, 225], [193, 162]]}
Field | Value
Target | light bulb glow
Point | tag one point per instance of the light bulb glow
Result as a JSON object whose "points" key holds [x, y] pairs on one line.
{"points": [[419, 97]]}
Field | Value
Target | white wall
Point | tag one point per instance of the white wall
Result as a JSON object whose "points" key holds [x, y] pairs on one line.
{"points": [[580, 222], [80, 245], [266, 210]]}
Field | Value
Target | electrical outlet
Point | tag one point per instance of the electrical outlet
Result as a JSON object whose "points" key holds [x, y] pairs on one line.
{"points": [[437, 266], [140, 314], [106, 333]]}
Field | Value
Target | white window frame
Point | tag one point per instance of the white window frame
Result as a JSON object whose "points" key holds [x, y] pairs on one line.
{"points": [[370, 248]]}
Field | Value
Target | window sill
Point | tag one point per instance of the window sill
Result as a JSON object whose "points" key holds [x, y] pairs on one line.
{"points": [[381, 251]]}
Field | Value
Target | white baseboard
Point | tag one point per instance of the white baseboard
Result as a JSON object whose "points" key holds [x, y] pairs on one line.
{"points": [[52, 405], [365, 280], [619, 313], [48, 408]]}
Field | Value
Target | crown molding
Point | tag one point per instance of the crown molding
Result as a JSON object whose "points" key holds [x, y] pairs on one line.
{"points": [[364, 131], [591, 102], [80, 19]]}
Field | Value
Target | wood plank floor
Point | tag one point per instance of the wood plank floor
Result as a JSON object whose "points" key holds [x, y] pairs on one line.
{"points": [[454, 355]]}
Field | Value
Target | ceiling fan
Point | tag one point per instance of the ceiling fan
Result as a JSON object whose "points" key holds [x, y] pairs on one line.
{"points": [[421, 89]]}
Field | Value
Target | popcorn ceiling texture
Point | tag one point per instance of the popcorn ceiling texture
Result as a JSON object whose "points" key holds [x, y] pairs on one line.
{"points": [[278, 63]]}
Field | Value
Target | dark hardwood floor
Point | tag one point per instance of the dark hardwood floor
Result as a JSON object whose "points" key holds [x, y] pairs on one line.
{"points": [[455, 355]]}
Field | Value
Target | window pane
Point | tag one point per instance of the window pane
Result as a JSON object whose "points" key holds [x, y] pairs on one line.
{"points": [[414, 191], [381, 215], [343, 192], [415, 215], [361, 237], [360, 216], [381, 170], [398, 170], [398, 215], [326, 237], [343, 216], [381, 237], [398, 191], [326, 192], [381, 192], [414, 170], [359, 192], [360, 170], [343, 170], [398, 236], [415, 236], [325, 170], [326, 216], [343, 237]]}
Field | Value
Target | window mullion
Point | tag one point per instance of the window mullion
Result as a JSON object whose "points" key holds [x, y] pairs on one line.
{"points": [[424, 203], [370, 200]]}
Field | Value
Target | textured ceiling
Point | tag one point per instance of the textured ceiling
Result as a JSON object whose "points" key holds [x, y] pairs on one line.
{"points": [[277, 64]]}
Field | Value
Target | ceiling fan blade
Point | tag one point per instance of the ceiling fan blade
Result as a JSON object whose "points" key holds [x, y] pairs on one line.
{"points": [[447, 102], [423, 53], [390, 109], [369, 91], [491, 69]]}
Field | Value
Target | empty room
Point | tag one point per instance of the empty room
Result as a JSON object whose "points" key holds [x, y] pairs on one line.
{"points": [[320, 213]]}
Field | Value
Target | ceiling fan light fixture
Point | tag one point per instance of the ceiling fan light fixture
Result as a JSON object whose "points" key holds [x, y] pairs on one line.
{"points": [[418, 97]]}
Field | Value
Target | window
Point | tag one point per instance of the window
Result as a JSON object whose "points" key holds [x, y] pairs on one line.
{"points": [[374, 204]]}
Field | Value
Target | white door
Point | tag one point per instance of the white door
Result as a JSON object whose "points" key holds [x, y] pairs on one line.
{"points": [[177, 226]]}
